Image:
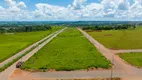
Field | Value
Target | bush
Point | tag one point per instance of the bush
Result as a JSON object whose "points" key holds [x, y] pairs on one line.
{"points": [[25, 28], [109, 27]]}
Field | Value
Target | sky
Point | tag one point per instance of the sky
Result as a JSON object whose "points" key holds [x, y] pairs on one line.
{"points": [[70, 10]]}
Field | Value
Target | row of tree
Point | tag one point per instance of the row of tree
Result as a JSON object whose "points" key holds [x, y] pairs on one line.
{"points": [[25, 28], [109, 27]]}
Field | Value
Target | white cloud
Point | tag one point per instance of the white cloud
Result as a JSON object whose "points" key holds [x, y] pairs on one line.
{"points": [[109, 4], [109, 8], [94, 10], [77, 10], [14, 11], [46, 11], [137, 4], [135, 10], [21, 5], [77, 4]]}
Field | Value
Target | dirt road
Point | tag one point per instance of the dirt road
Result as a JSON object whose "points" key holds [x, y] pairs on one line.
{"points": [[5, 74]]}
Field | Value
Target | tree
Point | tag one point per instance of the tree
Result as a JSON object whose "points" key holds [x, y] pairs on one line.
{"points": [[2, 30]]}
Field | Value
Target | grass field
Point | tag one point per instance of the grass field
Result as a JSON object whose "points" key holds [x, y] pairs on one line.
{"points": [[70, 50], [119, 39], [10, 44], [132, 58]]}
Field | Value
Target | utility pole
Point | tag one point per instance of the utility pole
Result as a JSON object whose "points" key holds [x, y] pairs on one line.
{"points": [[112, 67]]}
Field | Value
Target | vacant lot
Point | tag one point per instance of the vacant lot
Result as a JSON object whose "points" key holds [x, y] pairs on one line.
{"points": [[68, 51], [119, 39], [10, 44], [132, 58]]}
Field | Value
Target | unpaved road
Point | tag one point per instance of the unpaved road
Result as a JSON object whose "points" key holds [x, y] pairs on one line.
{"points": [[23, 51], [5, 74]]}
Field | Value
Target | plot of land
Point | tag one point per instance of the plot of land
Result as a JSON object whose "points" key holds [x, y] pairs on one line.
{"points": [[132, 58], [119, 39], [70, 50], [10, 44]]}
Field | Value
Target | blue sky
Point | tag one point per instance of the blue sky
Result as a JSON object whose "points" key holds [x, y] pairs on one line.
{"points": [[70, 10]]}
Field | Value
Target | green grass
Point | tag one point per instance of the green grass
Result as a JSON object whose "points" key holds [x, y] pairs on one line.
{"points": [[132, 58], [70, 50], [11, 44], [119, 39]]}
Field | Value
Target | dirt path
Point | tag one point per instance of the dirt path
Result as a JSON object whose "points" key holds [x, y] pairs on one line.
{"points": [[23, 51], [5, 74]]}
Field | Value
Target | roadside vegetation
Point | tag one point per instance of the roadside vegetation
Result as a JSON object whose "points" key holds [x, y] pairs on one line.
{"points": [[119, 39], [70, 50], [134, 59], [11, 44]]}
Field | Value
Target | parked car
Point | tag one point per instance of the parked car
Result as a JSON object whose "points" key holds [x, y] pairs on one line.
{"points": [[19, 64]]}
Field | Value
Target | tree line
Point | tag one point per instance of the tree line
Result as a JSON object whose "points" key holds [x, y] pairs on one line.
{"points": [[109, 27], [26, 28]]}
